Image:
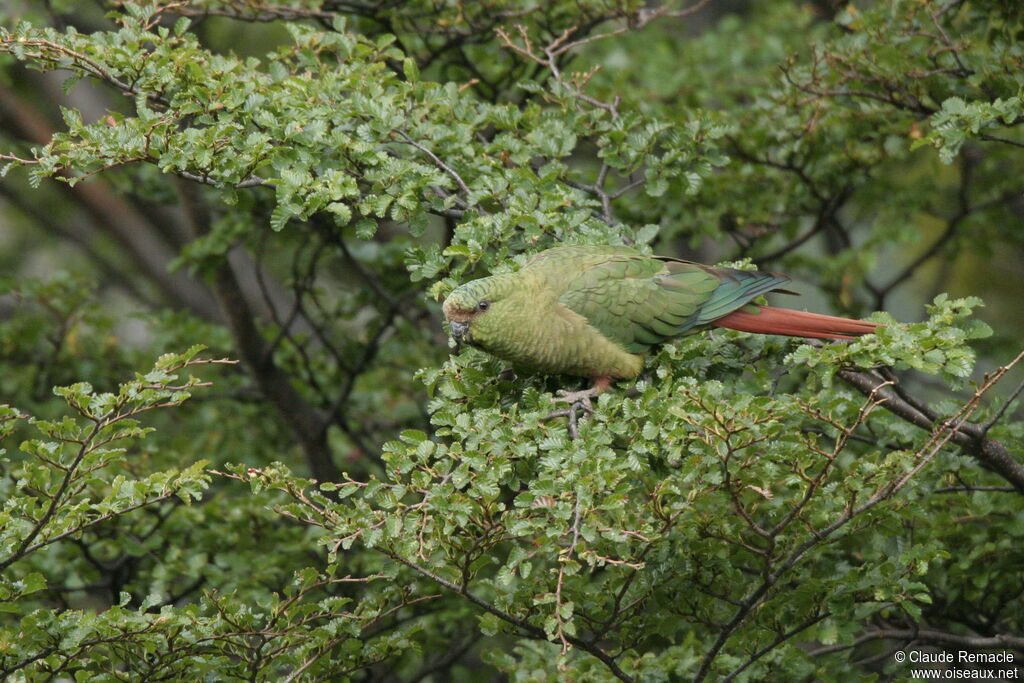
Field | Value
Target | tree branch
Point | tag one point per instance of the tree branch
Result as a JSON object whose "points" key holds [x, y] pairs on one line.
{"points": [[929, 637], [533, 631], [114, 216], [971, 437], [303, 420]]}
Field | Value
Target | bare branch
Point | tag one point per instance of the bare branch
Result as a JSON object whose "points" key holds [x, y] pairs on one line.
{"points": [[930, 637], [969, 436], [304, 421], [940, 436], [440, 164], [1002, 410], [783, 637], [529, 629]]}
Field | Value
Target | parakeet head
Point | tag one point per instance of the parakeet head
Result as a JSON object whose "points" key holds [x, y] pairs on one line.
{"points": [[475, 310]]}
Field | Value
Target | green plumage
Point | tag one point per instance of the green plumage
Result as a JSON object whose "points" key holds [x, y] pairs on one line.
{"points": [[595, 311]]}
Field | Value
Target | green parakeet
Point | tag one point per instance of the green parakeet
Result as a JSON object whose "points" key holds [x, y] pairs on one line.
{"points": [[596, 311]]}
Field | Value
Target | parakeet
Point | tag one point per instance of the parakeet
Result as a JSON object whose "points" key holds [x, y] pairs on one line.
{"points": [[596, 311]]}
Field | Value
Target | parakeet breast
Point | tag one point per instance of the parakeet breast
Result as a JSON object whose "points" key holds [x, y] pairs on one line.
{"points": [[533, 331]]}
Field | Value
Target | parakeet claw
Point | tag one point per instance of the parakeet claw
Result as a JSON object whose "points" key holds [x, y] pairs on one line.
{"points": [[578, 398], [578, 401]]}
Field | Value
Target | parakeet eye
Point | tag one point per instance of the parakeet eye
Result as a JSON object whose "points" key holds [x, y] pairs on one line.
{"points": [[483, 305]]}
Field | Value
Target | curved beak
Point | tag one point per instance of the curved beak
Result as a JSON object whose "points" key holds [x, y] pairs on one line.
{"points": [[459, 331]]}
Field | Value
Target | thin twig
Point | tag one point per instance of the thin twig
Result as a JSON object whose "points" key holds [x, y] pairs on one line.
{"points": [[440, 164], [941, 435], [1002, 409]]}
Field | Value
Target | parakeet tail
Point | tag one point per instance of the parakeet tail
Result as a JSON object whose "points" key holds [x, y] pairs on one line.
{"points": [[771, 320]]}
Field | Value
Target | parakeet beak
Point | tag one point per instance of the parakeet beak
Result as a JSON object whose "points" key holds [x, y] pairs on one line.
{"points": [[458, 332]]}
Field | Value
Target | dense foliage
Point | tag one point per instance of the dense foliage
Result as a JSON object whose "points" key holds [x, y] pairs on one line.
{"points": [[296, 185]]}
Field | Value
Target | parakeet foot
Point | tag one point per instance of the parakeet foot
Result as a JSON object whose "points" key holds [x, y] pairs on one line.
{"points": [[578, 401]]}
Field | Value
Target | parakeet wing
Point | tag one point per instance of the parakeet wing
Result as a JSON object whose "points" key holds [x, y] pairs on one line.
{"points": [[639, 301]]}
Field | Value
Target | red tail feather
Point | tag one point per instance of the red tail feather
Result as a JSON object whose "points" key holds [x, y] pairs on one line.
{"points": [[773, 320]]}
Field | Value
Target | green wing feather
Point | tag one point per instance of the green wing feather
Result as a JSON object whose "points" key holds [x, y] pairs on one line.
{"points": [[640, 301]]}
